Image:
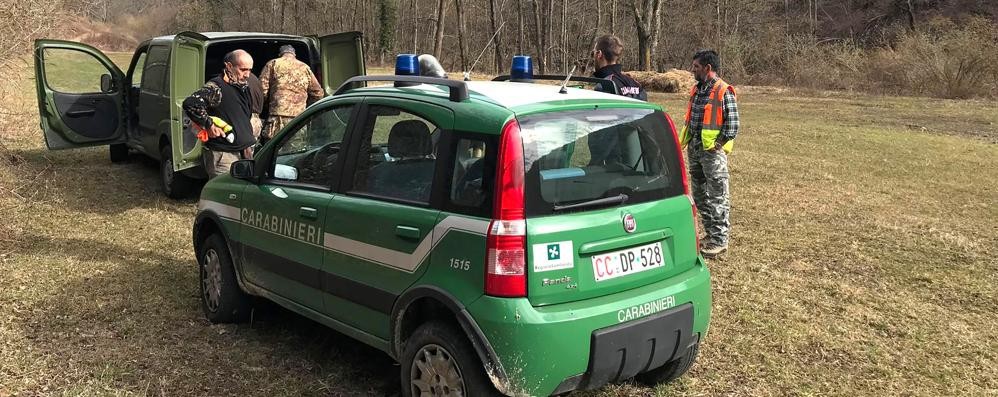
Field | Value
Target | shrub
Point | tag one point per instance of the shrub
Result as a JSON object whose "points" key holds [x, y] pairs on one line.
{"points": [[943, 59]]}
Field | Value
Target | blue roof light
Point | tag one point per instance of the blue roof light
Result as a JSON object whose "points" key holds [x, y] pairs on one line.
{"points": [[522, 69], [407, 65]]}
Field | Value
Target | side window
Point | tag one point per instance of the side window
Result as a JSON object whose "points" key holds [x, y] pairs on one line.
{"points": [[72, 71], [470, 179], [400, 155], [155, 70], [140, 65], [309, 153]]}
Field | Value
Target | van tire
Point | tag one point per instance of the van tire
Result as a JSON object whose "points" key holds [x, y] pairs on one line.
{"points": [[118, 152], [221, 298], [671, 370], [175, 185], [443, 343]]}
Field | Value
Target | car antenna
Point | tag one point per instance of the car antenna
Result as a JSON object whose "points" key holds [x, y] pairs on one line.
{"points": [[467, 74], [564, 84]]}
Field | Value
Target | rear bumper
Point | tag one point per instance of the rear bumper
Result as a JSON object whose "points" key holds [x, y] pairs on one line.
{"points": [[587, 344], [619, 352]]}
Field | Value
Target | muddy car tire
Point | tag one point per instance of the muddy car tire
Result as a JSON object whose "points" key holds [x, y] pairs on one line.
{"points": [[175, 185], [437, 360], [671, 370], [221, 298]]}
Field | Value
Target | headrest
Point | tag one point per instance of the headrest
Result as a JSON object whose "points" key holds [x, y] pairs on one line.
{"points": [[409, 138]]}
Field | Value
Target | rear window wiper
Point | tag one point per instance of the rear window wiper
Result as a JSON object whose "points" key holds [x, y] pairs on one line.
{"points": [[612, 200]]}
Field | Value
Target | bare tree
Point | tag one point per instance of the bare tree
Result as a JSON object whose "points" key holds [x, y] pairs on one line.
{"points": [[386, 32], [461, 34], [539, 41], [647, 19], [519, 26], [613, 16], [438, 41], [415, 25], [494, 15], [564, 35]]}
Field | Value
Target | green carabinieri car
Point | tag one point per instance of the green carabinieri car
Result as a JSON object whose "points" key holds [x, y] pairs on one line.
{"points": [[493, 237]]}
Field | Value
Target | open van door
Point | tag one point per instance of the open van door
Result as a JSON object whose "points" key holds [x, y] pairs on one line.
{"points": [[81, 95], [342, 58], [187, 60]]}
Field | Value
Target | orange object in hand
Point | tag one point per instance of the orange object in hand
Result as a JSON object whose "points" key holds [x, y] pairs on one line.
{"points": [[203, 133]]}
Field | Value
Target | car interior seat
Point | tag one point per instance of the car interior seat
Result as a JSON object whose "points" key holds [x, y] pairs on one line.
{"points": [[409, 175]]}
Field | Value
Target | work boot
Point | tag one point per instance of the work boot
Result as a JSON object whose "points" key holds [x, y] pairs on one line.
{"points": [[713, 250]]}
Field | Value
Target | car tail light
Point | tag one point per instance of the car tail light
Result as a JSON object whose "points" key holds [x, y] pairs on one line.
{"points": [[506, 259], [686, 177]]}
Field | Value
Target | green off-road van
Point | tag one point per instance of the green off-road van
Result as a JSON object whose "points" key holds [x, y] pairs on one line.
{"points": [[86, 100], [493, 237]]}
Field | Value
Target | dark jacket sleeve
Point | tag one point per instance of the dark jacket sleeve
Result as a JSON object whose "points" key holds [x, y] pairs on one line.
{"points": [[196, 105]]}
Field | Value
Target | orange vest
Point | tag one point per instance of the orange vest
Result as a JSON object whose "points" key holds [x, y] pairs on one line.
{"points": [[713, 117]]}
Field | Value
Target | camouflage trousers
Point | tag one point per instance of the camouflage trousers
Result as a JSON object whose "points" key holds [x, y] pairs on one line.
{"points": [[273, 125], [709, 182]]}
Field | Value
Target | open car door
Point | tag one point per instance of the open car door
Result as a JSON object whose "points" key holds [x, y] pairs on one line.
{"points": [[342, 58], [187, 60], [81, 95]]}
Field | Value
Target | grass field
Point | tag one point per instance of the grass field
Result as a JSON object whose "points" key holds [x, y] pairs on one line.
{"points": [[863, 262]]}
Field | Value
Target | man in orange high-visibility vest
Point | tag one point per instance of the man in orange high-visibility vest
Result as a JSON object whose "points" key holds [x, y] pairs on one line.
{"points": [[708, 135]]}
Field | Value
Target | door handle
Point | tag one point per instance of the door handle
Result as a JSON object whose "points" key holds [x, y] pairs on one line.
{"points": [[81, 113], [408, 232], [308, 213]]}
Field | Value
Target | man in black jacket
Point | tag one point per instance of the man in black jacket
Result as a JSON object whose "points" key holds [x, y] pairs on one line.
{"points": [[606, 55], [227, 97]]}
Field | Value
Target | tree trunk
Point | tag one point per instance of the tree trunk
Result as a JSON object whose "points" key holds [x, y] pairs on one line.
{"points": [[519, 27], [386, 28], [400, 29], [647, 20], [284, 5], [539, 37], [564, 35], [613, 17], [438, 41], [656, 28], [494, 19], [415, 26], [548, 30], [461, 34]]}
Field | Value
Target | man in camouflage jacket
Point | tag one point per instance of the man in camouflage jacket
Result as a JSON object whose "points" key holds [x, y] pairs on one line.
{"points": [[288, 86]]}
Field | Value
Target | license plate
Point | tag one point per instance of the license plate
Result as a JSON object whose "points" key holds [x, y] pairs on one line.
{"points": [[633, 260]]}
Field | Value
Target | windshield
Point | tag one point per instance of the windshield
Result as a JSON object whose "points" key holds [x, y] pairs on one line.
{"points": [[587, 159]]}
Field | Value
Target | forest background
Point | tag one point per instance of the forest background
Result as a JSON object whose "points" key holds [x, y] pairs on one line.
{"points": [[939, 48]]}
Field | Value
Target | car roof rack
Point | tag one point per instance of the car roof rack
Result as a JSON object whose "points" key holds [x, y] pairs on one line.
{"points": [[458, 89], [610, 88]]}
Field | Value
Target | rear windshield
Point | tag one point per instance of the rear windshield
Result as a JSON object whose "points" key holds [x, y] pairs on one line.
{"points": [[588, 159]]}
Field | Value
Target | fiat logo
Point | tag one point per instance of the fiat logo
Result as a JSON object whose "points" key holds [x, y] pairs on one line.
{"points": [[630, 225]]}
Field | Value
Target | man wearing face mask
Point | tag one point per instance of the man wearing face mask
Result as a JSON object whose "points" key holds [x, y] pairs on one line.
{"points": [[708, 135], [226, 97]]}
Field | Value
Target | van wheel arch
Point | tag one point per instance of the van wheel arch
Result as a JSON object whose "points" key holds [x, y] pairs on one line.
{"points": [[164, 142], [424, 304]]}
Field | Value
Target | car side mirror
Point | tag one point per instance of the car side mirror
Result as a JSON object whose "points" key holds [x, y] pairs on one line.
{"points": [[106, 83], [243, 169]]}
